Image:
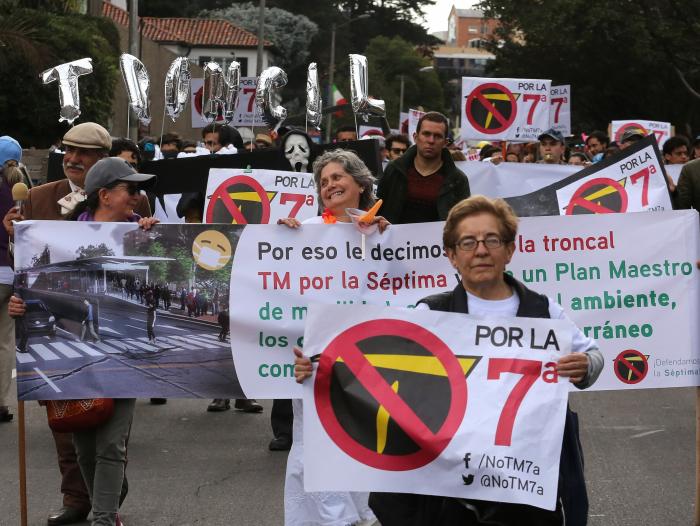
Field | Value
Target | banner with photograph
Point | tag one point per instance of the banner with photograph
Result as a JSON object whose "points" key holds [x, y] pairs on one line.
{"points": [[97, 325], [387, 404]]}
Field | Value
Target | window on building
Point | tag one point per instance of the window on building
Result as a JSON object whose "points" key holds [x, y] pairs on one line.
{"points": [[477, 42], [473, 29]]}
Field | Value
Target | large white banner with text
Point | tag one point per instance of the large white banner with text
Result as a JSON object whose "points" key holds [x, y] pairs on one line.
{"points": [[628, 280]]}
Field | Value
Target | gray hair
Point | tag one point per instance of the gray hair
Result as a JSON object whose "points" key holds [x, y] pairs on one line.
{"points": [[354, 166]]}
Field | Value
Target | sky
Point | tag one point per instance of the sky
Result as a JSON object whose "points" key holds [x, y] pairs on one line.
{"points": [[436, 15]]}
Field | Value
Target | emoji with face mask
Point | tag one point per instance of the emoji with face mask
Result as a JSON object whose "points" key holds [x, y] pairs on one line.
{"points": [[211, 250]]}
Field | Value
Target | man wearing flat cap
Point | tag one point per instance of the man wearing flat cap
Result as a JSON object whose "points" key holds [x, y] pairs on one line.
{"points": [[552, 147], [84, 145]]}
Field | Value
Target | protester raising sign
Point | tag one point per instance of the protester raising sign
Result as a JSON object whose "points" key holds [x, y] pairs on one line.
{"points": [[505, 109], [661, 130], [415, 368]]}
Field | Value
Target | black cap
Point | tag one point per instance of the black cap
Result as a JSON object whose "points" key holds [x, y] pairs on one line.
{"points": [[632, 134], [552, 133]]}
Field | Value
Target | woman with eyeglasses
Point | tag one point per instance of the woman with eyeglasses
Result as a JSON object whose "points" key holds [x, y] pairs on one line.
{"points": [[113, 191], [478, 237]]}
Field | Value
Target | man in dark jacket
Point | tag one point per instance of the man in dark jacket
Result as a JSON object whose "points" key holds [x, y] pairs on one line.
{"points": [[424, 183]]}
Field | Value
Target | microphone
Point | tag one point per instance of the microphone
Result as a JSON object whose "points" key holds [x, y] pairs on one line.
{"points": [[20, 193]]}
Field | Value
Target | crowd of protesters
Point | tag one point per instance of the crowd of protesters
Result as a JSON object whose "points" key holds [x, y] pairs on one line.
{"points": [[420, 183]]}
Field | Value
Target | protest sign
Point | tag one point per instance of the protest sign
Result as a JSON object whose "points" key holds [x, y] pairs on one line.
{"points": [[246, 114], [598, 267], [661, 130], [413, 118], [505, 109], [403, 122], [387, 406], [631, 181], [640, 303], [560, 111], [369, 131], [258, 196], [93, 330]]}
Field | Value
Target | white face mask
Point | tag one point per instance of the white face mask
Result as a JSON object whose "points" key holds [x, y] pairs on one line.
{"points": [[297, 152], [208, 257]]}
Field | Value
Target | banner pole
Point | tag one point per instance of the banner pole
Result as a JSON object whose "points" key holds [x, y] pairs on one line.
{"points": [[22, 464]]}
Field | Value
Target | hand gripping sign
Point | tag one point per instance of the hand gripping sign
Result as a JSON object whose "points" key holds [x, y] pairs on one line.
{"points": [[434, 403], [505, 109]]}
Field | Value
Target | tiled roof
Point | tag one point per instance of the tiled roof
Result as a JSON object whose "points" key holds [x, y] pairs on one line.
{"points": [[200, 32]]}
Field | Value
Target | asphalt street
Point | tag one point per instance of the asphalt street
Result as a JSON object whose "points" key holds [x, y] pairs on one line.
{"points": [[187, 360], [189, 467]]}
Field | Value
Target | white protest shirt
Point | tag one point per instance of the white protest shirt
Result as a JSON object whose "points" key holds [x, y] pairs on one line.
{"points": [[509, 307]]}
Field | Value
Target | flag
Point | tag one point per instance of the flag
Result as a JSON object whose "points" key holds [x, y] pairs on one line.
{"points": [[338, 100]]}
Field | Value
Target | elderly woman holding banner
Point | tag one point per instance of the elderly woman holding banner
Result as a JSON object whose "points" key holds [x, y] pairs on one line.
{"points": [[113, 191], [342, 182], [478, 237]]}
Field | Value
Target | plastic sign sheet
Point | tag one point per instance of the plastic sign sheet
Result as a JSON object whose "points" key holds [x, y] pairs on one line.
{"points": [[560, 111], [246, 114], [505, 109], [236, 196], [628, 280], [434, 403], [661, 130]]}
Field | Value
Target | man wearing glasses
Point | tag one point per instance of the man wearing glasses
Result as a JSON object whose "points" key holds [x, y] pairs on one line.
{"points": [[396, 145], [84, 145], [423, 184]]}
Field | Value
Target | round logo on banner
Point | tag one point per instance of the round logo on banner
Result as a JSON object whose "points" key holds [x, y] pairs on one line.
{"points": [[239, 200], [371, 393], [211, 250], [491, 108], [630, 125], [631, 366], [598, 196]]}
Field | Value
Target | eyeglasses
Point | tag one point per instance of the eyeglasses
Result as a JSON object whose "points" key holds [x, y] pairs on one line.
{"points": [[131, 188], [398, 151], [469, 244]]}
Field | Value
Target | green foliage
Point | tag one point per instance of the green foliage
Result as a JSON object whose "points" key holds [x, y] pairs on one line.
{"points": [[387, 60], [619, 57], [93, 251], [33, 108], [157, 270], [180, 270]]}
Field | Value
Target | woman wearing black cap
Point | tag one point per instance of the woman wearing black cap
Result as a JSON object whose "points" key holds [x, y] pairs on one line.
{"points": [[112, 187]]}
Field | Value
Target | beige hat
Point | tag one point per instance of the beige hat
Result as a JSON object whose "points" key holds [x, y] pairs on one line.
{"points": [[264, 137], [88, 135]]}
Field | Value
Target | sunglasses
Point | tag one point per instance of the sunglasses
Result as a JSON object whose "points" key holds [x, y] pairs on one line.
{"points": [[398, 151], [131, 188]]}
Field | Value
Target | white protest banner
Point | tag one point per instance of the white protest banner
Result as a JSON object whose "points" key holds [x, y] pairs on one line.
{"points": [[236, 196], [387, 406], [661, 130], [560, 112], [504, 109], [581, 262], [246, 114], [413, 118], [635, 183], [403, 122]]}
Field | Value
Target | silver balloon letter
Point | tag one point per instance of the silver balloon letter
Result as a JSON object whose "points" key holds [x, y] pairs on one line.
{"points": [[138, 86], [361, 102], [177, 87], [271, 80], [213, 92], [232, 80], [313, 98], [68, 94]]}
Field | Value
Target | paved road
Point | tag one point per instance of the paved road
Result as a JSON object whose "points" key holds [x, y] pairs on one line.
{"points": [[187, 359], [188, 467]]}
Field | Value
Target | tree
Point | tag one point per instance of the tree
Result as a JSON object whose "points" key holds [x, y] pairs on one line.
{"points": [[157, 270], [93, 251], [390, 58], [620, 57], [43, 258], [31, 107]]}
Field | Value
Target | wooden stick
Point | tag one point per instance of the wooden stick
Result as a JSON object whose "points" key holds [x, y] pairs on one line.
{"points": [[697, 455], [22, 465]]}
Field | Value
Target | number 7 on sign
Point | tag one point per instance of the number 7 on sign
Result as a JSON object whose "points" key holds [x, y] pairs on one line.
{"points": [[530, 369]]}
